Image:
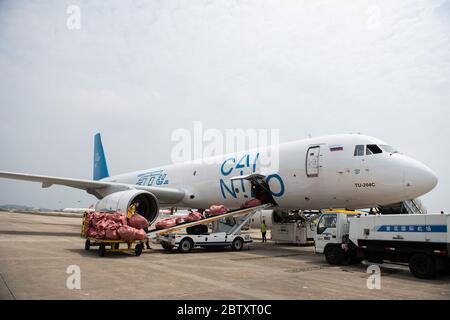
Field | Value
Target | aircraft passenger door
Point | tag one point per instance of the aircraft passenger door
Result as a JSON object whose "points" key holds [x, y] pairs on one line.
{"points": [[312, 161]]}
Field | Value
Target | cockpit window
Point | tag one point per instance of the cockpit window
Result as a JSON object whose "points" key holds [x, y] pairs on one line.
{"points": [[373, 149], [388, 149], [359, 150]]}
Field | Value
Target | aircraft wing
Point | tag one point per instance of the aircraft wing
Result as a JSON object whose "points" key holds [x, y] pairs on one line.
{"points": [[164, 195]]}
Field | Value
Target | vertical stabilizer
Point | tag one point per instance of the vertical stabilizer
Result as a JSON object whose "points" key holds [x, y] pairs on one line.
{"points": [[100, 166]]}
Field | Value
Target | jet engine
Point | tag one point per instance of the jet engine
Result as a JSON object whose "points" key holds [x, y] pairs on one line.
{"points": [[121, 201]]}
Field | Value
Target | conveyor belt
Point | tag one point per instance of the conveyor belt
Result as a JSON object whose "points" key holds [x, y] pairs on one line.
{"points": [[234, 213]]}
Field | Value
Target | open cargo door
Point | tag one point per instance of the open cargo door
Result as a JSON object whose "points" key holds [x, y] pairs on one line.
{"points": [[260, 188]]}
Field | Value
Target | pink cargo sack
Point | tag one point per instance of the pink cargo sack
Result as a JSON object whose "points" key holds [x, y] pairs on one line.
{"points": [[127, 233], [140, 235], [137, 221], [91, 233], [105, 225], [193, 216], [181, 219], [100, 234], [119, 218], [95, 219], [166, 223], [112, 234], [215, 210], [251, 203]]}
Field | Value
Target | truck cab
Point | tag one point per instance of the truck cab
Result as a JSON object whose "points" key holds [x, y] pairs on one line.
{"points": [[332, 233]]}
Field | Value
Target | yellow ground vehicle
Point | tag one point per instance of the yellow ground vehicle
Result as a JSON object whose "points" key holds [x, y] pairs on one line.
{"points": [[135, 247]]}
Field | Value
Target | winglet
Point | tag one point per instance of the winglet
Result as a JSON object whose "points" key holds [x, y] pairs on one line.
{"points": [[100, 166]]}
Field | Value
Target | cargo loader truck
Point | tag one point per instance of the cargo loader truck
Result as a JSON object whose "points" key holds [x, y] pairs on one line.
{"points": [[420, 240], [226, 232]]}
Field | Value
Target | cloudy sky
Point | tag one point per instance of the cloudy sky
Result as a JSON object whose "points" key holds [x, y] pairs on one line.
{"points": [[138, 70]]}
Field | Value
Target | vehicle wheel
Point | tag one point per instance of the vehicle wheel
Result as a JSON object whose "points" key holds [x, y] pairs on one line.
{"points": [[167, 247], [102, 250], [87, 245], [422, 266], [185, 245], [334, 255], [138, 249], [237, 244]]}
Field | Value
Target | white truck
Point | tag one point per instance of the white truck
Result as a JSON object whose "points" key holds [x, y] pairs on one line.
{"points": [[421, 240]]}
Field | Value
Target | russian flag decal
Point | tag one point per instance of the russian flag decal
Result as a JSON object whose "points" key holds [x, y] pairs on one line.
{"points": [[336, 148]]}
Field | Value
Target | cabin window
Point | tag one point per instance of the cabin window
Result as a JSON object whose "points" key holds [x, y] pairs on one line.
{"points": [[373, 149], [359, 150]]}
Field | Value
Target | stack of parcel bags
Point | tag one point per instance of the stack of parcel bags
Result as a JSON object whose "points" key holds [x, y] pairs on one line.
{"points": [[116, 226], [214, 210]]}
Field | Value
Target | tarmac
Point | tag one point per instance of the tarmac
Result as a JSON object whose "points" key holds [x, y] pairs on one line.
{"points": [[40, 256]]}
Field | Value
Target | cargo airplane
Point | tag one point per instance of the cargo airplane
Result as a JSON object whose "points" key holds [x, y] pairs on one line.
{"points": [[338, 171]]}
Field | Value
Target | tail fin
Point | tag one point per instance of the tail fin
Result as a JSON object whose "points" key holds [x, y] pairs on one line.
{"points": [[100, 167]]}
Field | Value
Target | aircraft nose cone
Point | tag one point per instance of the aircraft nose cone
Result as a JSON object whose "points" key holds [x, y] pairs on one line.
{"points": [[419, 179]]}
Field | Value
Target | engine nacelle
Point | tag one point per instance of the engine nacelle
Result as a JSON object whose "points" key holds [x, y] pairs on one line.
{"points": [[122, 200]]}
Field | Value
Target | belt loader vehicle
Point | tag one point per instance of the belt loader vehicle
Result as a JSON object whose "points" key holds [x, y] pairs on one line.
{"points": [[226, 232], [421, 240]]}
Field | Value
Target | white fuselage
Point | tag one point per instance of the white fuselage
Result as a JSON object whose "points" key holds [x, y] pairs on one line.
{"points": [[314, 173]]}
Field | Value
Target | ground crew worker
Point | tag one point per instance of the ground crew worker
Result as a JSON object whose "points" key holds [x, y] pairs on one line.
{"points": [[147, 243], [132, 209], [264, 231]]}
